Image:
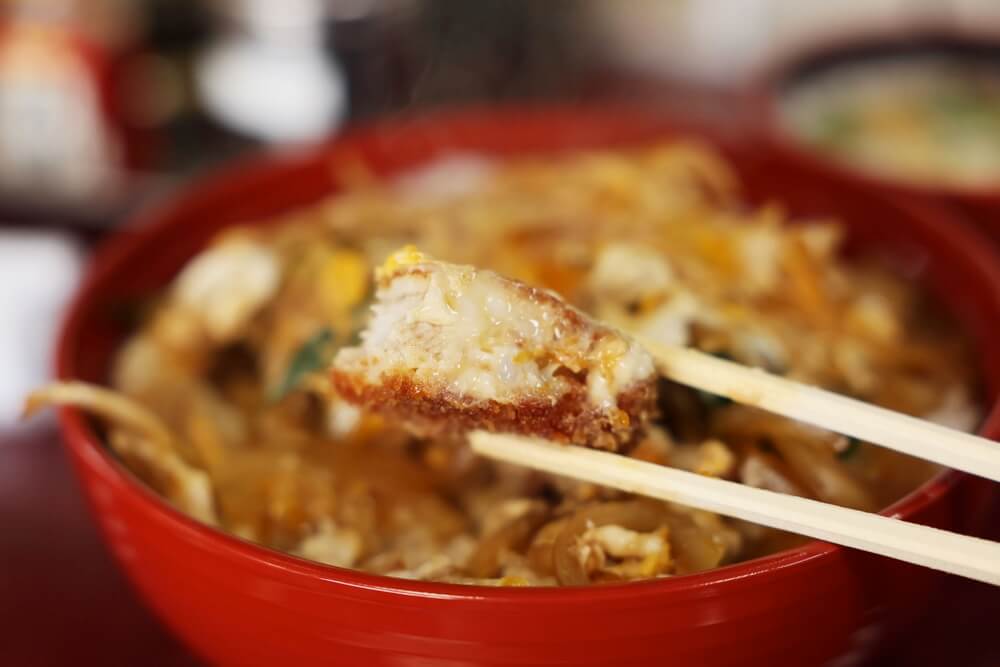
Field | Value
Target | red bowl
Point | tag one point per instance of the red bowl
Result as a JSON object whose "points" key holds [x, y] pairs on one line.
{"points": [[235, 602], [980, 203]]}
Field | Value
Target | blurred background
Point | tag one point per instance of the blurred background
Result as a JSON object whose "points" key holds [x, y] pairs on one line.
{"points": [[109, 105], [105, 105]]}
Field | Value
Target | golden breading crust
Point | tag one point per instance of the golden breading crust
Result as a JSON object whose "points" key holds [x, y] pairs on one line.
{"points": [[571, 419], [452, 348]]}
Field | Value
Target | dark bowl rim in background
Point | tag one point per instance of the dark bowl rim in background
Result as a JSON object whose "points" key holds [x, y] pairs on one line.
{"points": [[79, 435], [799, 61]]}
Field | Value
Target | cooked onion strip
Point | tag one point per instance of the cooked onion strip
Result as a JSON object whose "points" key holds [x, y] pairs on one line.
{"points": [[512, 536], [143, 436], [636, 515], [104, 403]]}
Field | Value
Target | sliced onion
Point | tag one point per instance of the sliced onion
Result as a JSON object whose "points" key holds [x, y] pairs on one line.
{"points": [[142, 436], [512, 536], [695, 548], [110, 405], [808, 452], [540, 553], [640, 515]]}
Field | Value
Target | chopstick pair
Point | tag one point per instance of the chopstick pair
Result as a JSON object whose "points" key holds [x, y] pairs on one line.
{"points": [[970, 557], [752, 386]]}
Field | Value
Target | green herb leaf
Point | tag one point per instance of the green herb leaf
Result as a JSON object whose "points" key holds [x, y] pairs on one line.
{"points": [[836, 128], [959, 103], [312, 356]]}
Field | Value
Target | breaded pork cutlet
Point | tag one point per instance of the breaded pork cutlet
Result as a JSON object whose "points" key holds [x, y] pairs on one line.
{"points": [[453, 348]]}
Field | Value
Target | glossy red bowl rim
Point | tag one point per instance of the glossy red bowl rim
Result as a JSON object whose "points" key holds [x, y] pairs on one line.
{"points": [[80, 437], [767, 93]]}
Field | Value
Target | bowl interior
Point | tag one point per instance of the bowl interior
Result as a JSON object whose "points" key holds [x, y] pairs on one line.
{"points": [[920, 240], [799, 67]]}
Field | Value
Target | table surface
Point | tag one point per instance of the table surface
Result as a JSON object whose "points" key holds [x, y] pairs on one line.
{"points": [[62, 600]]}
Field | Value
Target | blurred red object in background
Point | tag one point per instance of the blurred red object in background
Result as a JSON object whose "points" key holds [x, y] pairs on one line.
{"points": [[58, 132]]}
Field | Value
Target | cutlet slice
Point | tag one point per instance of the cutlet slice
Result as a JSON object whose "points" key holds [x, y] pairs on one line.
{"points": [[452, 348]]}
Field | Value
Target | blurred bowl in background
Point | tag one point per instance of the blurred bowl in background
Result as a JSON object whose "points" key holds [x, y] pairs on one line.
{"points": [[235, 602], [914, 114]]}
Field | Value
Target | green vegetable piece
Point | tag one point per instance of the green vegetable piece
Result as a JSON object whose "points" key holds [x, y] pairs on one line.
{"points": [[313, 355], [836, 128], [958, 102]]}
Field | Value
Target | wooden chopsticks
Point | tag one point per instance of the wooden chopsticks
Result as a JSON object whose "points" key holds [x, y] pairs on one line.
{"points": [[833, 412], [938, 549], [931, 547]]}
